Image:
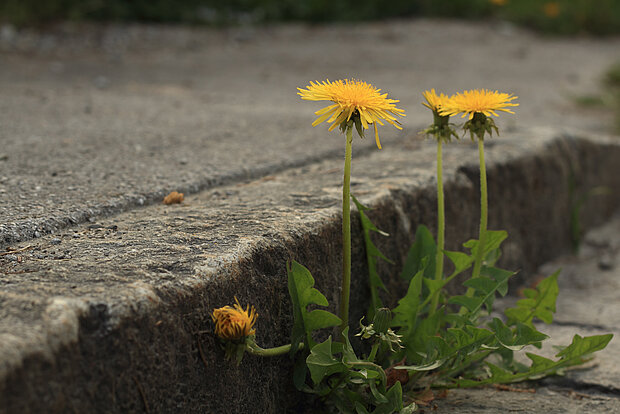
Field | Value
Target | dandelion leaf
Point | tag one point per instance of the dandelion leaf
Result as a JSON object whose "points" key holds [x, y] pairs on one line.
{"points": [[574, 354], [424, 247], [322, 362], [538, 303], [373, 254], [493, 241], [303, 294]]}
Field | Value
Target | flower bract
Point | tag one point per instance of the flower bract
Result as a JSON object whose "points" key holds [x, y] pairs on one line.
{"points": [[478, 101], [441, 127], [233, 322], [352, 100]]}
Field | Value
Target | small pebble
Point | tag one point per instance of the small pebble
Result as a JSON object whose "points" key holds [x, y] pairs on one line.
{"points": [[55, 240]]}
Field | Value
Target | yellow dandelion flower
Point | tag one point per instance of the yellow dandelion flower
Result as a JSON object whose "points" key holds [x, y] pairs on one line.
{"points": [[433, 101], [355, 100], [234, 323], [478, 101], [441, 128]]}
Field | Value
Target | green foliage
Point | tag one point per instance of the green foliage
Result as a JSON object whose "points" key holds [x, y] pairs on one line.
{"points": [[538, 303], [349, 384], [372, 256], [455, 344], [449, 348], [420, 255], [303, 294], [572, 355]]}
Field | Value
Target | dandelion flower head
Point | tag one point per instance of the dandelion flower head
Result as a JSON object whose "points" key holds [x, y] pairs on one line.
{"points": [[352, 99], [478, 101], [234, 323], [434, 102]]}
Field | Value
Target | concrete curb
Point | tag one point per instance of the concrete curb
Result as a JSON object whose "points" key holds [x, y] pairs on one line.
{"points": [[135, 337]]}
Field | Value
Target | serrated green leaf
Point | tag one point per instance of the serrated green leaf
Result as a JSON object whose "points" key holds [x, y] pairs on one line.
{"points": [[517, 338], [394, 403], [481, 284], [433, 285], [303, 294], [378, 397], [469, 303], [484, 291], [581, 346], [493, 240], [540, 303], [460, 260], [466, 340], [421, 251], [322, 363], [319, 319], [373, 254], [348, 353], [501, 276], [571, 355], [405, 314]]}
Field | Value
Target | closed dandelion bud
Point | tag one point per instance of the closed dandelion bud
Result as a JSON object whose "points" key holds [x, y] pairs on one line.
{"points": [[382, 321]]}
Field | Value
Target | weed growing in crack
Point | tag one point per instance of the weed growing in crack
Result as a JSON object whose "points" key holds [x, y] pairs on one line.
{"points": [[430, 340]]}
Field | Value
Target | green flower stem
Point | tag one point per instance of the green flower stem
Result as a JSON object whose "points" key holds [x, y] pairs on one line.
{"points": [[483, 215], [254, 349], [373, 351], [346, 234], [441, 225]]}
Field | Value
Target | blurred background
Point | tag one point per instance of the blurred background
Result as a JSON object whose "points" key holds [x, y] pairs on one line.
{"points": [[597, 17]]}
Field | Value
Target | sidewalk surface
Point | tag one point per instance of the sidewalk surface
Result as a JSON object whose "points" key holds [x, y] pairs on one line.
{"points": [[106, 305]]}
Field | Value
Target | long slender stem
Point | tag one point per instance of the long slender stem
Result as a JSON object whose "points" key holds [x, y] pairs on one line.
{"points": [[254, 349], [346, 234], [441, 225], [373, 352], [483, 211]]}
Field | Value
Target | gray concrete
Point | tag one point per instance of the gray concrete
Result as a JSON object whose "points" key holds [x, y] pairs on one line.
{"points": [[110, 311], [96, 122]]}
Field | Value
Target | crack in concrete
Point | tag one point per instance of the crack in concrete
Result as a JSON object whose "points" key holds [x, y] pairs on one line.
{"points": [[580, 386], [581, 325], [12, 233]]}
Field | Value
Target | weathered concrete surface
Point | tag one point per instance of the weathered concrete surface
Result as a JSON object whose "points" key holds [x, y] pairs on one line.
{"points": [[97, 121], [587, 305], [112, 315]]}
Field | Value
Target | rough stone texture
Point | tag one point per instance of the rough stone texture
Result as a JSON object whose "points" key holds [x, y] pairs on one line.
{"points": [[102, 119], [553, 400], [110, 315]]}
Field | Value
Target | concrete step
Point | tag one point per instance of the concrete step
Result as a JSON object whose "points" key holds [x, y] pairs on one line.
{"points": [[113, 315]]}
